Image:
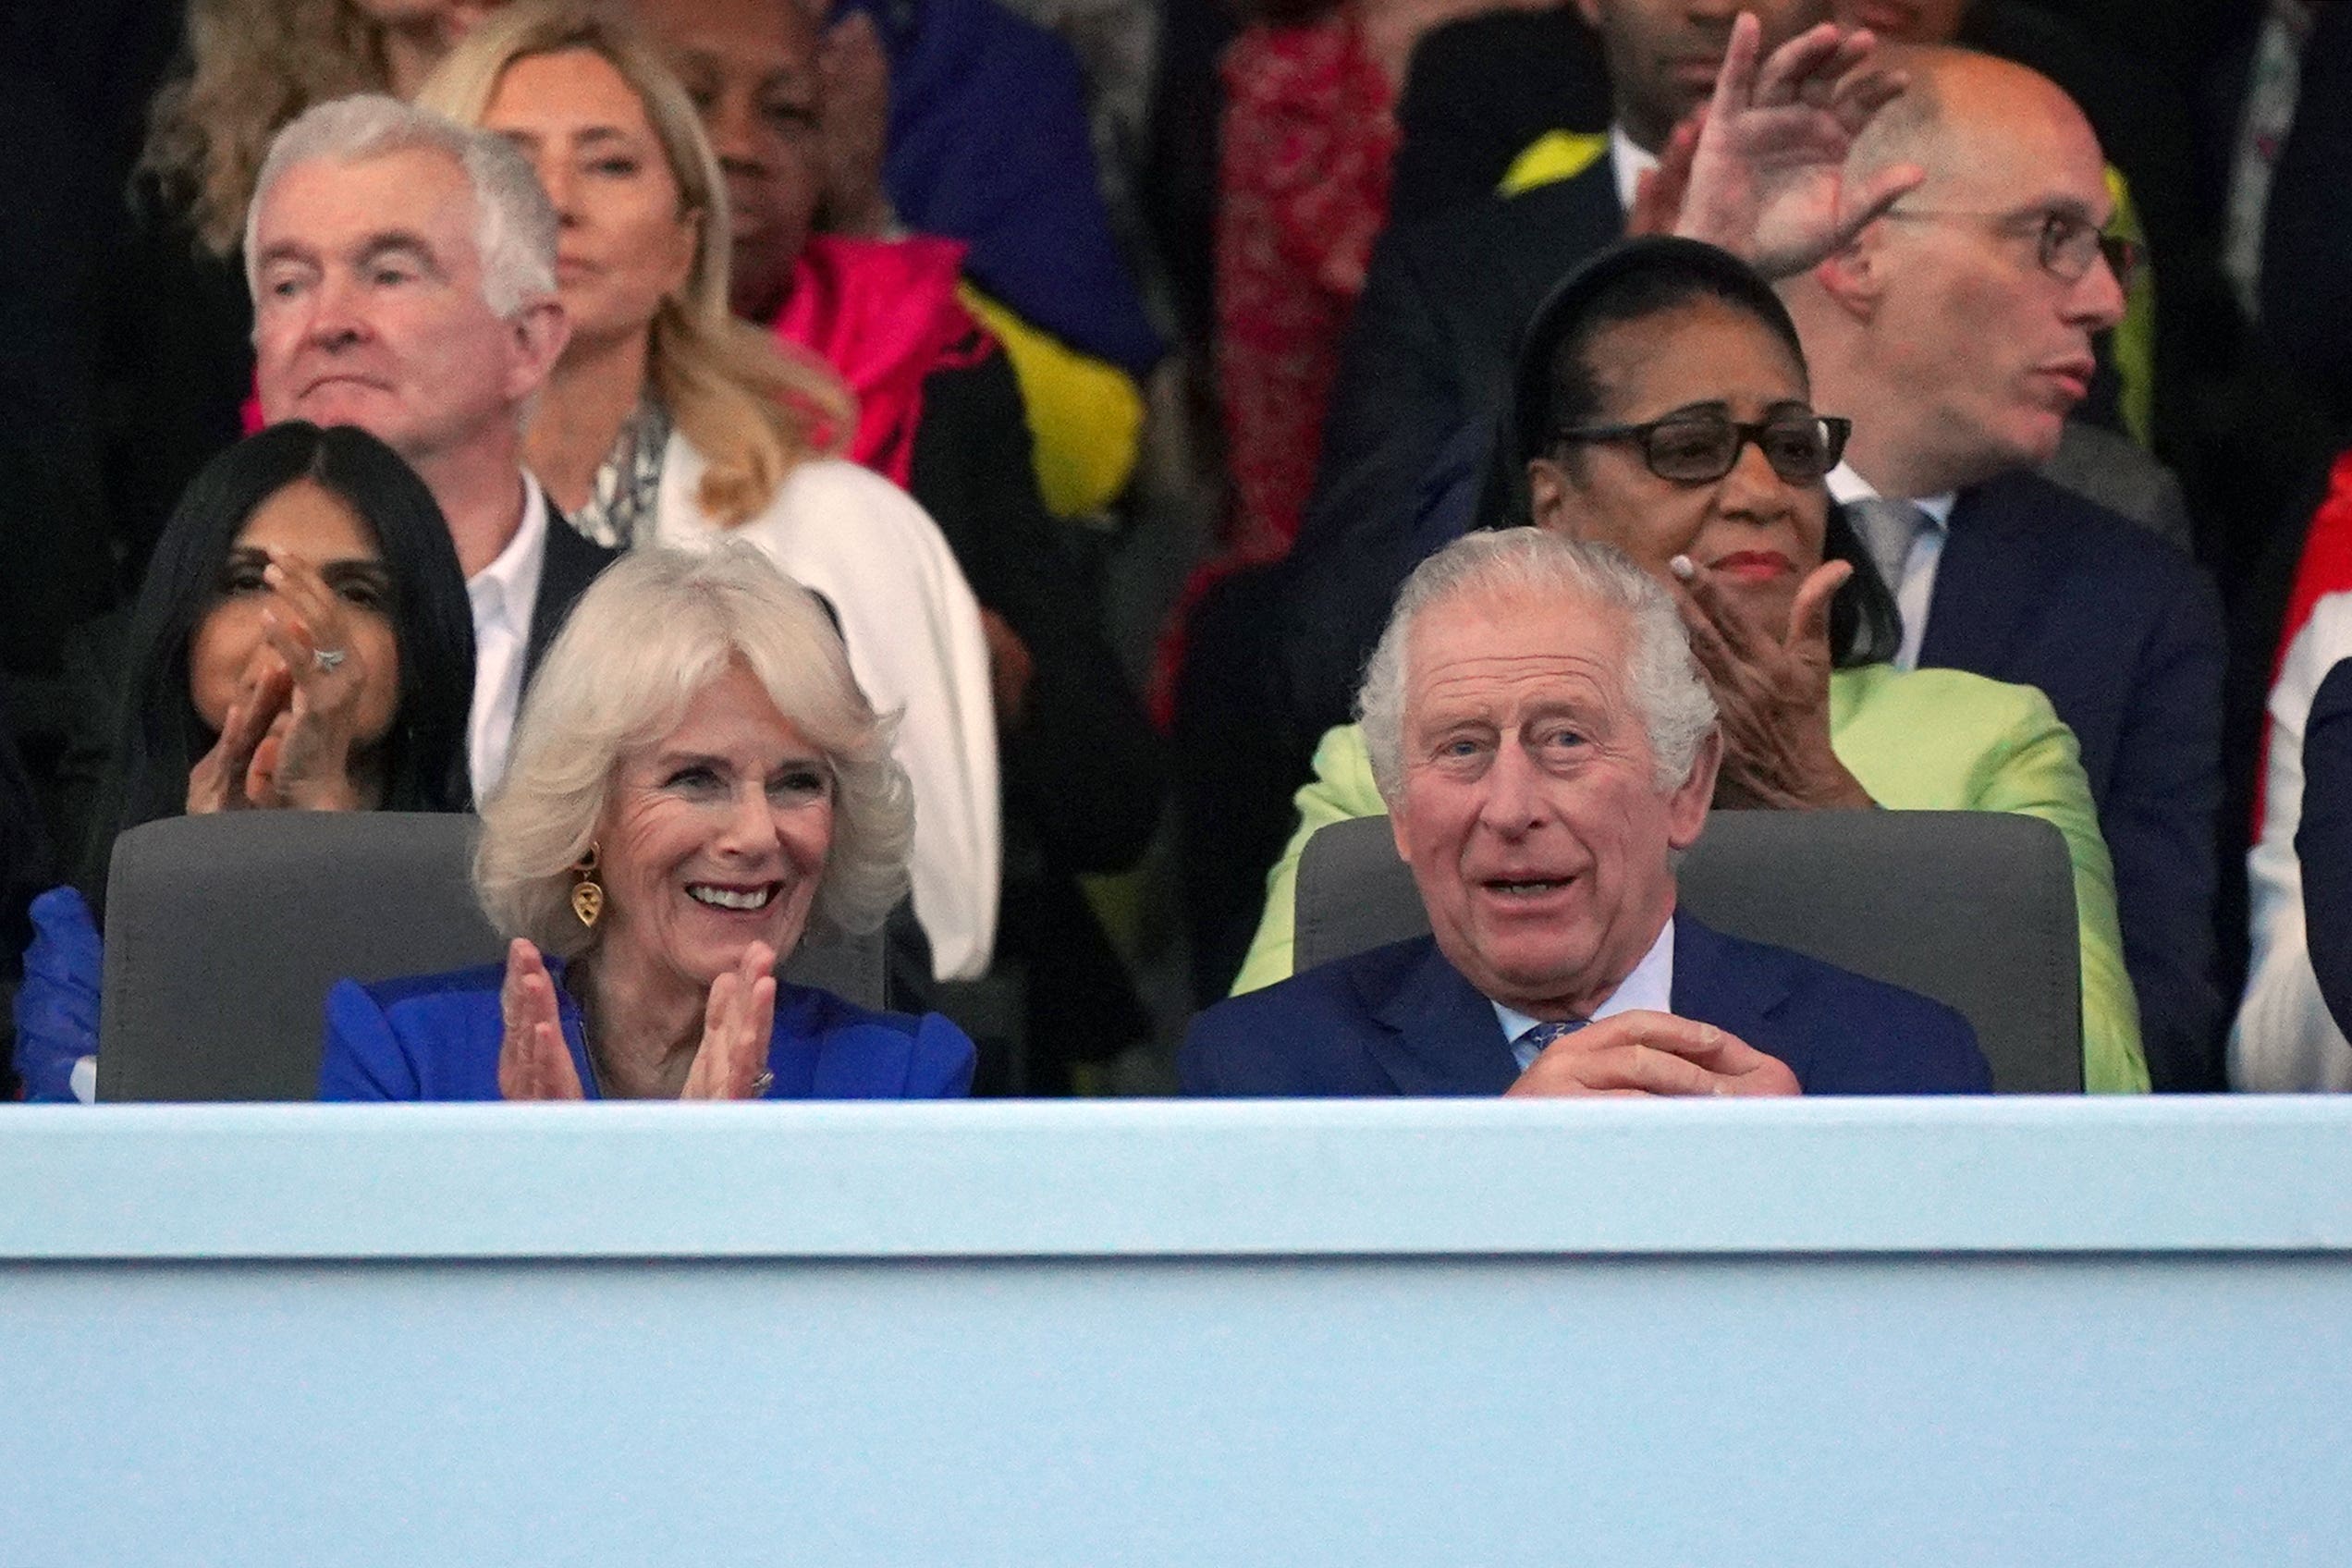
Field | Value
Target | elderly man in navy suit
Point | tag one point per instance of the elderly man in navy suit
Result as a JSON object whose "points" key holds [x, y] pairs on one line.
{"points": [[1956, 329], [1545, 746]]}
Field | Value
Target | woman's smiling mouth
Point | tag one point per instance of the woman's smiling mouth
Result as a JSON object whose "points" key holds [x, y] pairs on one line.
{"points": [[713, 896]]}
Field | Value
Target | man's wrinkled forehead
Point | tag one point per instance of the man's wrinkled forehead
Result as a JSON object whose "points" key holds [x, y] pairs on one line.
{"points": [[419, 196], [1501, 651]]}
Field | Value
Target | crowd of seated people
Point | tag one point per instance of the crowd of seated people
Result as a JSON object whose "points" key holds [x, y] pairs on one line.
{"points": [[686, 433]]}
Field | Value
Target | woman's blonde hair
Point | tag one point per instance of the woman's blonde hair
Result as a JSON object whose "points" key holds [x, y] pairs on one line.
{"points": [[751, 406], [254, 65], [648, 635]]}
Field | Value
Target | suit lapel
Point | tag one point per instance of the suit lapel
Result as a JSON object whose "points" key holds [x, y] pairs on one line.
{"points": [[1996, 569], [571, 563], [1439, 1035], [1580, 219], [1721, 982]]}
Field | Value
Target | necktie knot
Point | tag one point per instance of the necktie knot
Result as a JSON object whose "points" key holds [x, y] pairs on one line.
{"points": [[1888, 526], [1531, 1042]]}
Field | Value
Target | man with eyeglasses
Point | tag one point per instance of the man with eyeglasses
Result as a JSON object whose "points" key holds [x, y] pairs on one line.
{"points": [[1958, 330]]}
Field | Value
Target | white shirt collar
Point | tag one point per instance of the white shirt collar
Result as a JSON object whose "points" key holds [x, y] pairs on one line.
{"points": [[503, 594], [1649, 988], [506, 589], [1847, 487], [1629, 163]]}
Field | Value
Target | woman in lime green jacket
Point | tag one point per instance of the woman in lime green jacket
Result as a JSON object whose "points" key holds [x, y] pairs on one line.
{"points": [[1660, 404]]}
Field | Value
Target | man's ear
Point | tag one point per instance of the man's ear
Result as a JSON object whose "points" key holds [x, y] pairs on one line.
{"points": [[541, 329], [1397, 833], [1547, 494], [1687, 807], [1853, 275]]}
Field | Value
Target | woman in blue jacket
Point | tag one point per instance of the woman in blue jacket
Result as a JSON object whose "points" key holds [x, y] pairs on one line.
{"points": [[696, 784]]}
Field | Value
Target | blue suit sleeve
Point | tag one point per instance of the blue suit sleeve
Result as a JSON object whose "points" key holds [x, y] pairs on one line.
{"points": [[941, 1067], [364, 1059], [1950, 1060], [57, 1008], [2324, 840], [1900, 1043], [1196, 1065]]}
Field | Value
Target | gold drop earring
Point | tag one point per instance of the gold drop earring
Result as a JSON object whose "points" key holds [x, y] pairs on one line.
{"points": [[587, 893]]}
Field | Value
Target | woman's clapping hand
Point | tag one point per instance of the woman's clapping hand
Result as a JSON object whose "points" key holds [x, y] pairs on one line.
{"points": [[1772, 692], [1761, 171], [731, 1063], [287, 742], [534, 1061]]}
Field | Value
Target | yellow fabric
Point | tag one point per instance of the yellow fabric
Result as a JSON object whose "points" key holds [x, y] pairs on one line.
{"points": [[2135, 341], [1929, 739], [1555, 155], [1086, 415]]}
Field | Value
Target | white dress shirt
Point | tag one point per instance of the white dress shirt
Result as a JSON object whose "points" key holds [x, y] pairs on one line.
{"points": [[1628, 163], [913, 628], [1649, 988], [2284, 1040], [1917, 589], [503, 594]]}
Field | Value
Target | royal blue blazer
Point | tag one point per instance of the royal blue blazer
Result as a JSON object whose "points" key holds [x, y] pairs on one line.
{"points": [[437, 1037], [1400, 1020]]}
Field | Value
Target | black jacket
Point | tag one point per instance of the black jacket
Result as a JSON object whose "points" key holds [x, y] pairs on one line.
{"points": [[1429, 352]]}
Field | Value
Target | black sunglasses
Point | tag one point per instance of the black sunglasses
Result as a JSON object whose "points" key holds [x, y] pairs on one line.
{"points": [[1701, 448]]}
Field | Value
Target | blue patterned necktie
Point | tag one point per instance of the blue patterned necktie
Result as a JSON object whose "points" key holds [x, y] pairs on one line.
{"points": [[1530, 1044]]}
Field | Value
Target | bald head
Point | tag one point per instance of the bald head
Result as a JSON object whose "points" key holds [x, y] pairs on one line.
{"points": [[1958, 330], [1982, 127]]}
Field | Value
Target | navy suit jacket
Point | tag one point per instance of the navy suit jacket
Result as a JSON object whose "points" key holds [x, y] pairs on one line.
{"points": [[1400, 1020], [2038, 586], [2324, 840]]}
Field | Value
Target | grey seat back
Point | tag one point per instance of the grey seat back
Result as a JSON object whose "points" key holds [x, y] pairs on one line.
{"points": [[223, 934], [1974, 909]]}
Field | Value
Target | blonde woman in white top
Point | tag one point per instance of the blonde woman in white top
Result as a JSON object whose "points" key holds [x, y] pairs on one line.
{"points": [[668, 421]]}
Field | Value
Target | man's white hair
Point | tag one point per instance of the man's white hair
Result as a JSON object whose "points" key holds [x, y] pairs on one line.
{"points": [[1661, 678], [514, 222]]}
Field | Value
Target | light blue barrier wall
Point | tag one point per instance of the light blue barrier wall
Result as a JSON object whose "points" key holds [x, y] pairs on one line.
{"points": [[1995, 1331]]}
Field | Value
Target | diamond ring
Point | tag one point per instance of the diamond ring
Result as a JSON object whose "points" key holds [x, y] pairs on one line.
{"points": [[328, 658]]}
